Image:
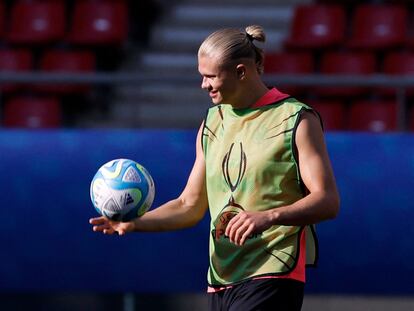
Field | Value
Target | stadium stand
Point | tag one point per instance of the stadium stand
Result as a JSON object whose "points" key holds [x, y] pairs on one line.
{"points": [[317, 27], [338, 31], [290, 63], [373, 41], [32, 112], [332, 113], [63, 36], [99, 23], [376, 26], [346, 63], [411, 119], [74, 61], [37, 22], [374, 116], [2, 19], [397, 64], [14, 60]]}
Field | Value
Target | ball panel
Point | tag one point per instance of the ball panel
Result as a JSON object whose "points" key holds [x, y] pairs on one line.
{"points": [[100, 192], [112, 169], [131, 175], [151, 190], [111, 208]]}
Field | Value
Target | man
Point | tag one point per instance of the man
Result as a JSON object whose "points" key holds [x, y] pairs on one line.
{"points": [[263, 171]]}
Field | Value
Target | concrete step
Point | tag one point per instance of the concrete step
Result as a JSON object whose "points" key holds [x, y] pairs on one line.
{"points": [[251, 2], [161, 107], [184, 39], [169, 62], [164, 95], [170, 116], [173, 49], [231, 15]]}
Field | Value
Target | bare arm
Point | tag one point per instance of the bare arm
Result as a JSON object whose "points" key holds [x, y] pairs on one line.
{"points": [[320, 204], [185, 211]]}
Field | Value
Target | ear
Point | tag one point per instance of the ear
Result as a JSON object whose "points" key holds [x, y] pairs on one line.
{"points": [[241, 71]]}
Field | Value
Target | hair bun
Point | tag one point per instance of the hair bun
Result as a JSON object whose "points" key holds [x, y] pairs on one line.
{"points": [[255, 32]]}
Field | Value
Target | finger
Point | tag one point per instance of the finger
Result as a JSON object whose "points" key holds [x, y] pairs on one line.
{"points": [[97, 220], [232, 230], [246, 234], [240, 233], [231, 224], [229, 230], [108, 230], [102, 227]]}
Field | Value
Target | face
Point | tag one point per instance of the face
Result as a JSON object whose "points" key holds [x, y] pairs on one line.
{"points": [[222, 84]]}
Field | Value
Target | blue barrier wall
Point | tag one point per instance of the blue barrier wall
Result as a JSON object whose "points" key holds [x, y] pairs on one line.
{"points": [[47, 243]]}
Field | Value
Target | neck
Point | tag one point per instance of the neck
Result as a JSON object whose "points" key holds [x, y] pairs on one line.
{"points": [[251, 93]]}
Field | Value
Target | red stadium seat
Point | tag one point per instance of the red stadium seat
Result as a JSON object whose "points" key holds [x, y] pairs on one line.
{"points": [[2, 19], [289, 63], [397, 63], [346, 63], [342, 2], [32, 112], [379, 26], [99, 23], [66, 62], [14, 60], [411, 120], [332, 114], [37, 22], [317, 26], [373, 116]]}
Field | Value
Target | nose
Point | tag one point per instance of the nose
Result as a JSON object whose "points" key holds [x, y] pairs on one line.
{"points": [[204, 83]]}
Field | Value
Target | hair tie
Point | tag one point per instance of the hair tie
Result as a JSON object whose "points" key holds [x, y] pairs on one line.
{"points": [[250, 37]]}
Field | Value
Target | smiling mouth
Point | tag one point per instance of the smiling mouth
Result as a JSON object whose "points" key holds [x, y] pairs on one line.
{"points": [[213, 94]]}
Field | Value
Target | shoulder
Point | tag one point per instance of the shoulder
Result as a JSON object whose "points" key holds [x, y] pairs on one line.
{"points": [[307, 115], [309, 131], [296, 104], [297, 111], [292, 105]]}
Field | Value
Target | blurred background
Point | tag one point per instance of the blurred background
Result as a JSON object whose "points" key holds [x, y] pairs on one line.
{"points": [[86, 81]]}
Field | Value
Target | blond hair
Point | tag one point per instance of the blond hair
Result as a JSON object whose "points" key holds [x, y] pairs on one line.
{"points": [[229, 44]]}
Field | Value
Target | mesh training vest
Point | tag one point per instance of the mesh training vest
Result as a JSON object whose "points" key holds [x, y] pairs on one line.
{"points": [[251, 165]]}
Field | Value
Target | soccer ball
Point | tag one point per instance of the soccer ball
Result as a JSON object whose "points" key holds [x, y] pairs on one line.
{"points": [[122, 190]]}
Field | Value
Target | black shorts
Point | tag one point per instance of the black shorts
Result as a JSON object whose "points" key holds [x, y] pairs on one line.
{"points": [[259, 295]]}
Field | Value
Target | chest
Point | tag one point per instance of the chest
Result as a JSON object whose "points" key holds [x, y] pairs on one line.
{"points": [[251, 143]]}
